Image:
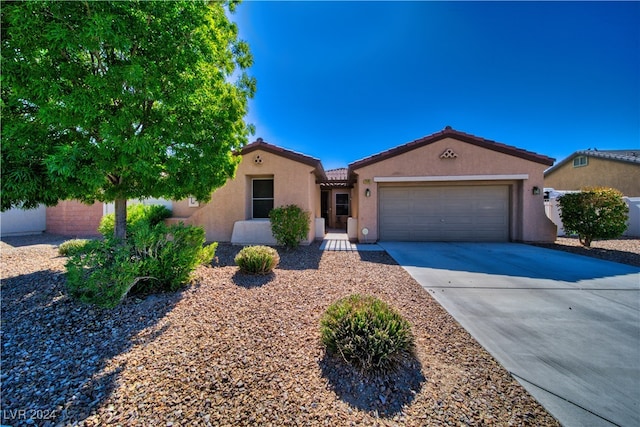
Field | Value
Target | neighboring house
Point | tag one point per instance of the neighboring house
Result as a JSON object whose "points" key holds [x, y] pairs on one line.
{"points": [[619, 169], [449, 186]]}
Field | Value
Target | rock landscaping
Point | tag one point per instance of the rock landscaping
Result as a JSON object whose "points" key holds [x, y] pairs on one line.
{"points": [[236, 349]]}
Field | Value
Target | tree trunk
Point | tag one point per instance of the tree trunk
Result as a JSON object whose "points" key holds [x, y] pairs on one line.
{"points": [[120, 228]]}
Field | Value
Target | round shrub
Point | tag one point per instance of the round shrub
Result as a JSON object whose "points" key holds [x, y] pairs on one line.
{"points": [[257, 259], [594, 213], [289, 225], [72, 247], [367, 333]]}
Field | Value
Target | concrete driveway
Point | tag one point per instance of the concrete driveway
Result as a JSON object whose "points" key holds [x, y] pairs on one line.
{"points": [[566, 326]]}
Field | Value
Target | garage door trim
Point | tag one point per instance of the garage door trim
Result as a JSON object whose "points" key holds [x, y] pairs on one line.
{"points": [[451, 178]]}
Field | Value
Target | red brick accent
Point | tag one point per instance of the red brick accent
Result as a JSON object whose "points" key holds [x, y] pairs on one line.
{"points": [[73, 218]]}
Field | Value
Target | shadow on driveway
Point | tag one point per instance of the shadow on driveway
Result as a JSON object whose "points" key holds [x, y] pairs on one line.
{"points": [[503, 259]]}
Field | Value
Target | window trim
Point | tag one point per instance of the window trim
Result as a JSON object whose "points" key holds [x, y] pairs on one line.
{"points": [[580, 161], [261, 198]]}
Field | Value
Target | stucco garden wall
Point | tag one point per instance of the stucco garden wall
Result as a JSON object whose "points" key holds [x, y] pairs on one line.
{"points": [[74, 218]]}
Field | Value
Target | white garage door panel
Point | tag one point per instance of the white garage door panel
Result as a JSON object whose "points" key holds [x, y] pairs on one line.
{"points": [[444, 213]]}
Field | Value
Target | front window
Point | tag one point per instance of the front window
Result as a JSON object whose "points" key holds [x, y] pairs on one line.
{"points": [[261, 197]]}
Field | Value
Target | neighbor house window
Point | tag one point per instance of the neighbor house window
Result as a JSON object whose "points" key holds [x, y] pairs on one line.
{"points": [[261, 197], [580, 161], [342, 204]]}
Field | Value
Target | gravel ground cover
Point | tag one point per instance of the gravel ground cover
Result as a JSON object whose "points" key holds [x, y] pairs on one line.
{"points": [[233, 349]]}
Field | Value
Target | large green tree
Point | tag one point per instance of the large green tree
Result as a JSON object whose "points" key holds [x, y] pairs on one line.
{"points": [[114, 100]]}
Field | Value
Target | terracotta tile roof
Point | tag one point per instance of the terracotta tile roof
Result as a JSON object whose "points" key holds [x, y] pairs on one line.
{"points": [[631, 155], [448, 132], [337, 174], [260, 144], [337, 178]]}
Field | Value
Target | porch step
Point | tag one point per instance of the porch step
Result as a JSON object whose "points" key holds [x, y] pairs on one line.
{"points": [[347, 246]]}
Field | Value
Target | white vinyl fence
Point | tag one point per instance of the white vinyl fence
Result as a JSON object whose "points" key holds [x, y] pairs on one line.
{"points": [[20, 222]]}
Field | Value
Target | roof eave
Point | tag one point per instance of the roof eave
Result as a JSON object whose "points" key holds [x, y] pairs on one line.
{"points": [[451, 133], [259, 144]]}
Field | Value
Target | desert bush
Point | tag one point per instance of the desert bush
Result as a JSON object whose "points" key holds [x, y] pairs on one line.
{"points": [[153, 259], [289, 225], [257, 259], [102, 275], [168, 255], [367, 333], [72, 247], [594, 213], [138, 215]]}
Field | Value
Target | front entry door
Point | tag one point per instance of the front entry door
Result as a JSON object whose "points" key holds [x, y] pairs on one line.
{"points": [[341, 211], [324, 207]]}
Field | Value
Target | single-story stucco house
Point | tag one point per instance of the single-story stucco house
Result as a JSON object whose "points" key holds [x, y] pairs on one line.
{"points": [[448, 186]]}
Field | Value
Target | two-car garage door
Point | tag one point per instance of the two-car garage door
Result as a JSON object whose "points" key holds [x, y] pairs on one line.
{"points": [[444, 213]]}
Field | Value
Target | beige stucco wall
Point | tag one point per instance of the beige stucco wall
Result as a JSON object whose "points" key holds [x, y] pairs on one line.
{"points": [[624, 177], [294, 183], [528, 219]]}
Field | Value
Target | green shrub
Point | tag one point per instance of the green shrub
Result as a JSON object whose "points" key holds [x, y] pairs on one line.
{"points": [[167, 256], [367, 333], [152, 260], [289, 225], [594, 213], [138, 215], [72, 247], [257, 259], [102, 275]]}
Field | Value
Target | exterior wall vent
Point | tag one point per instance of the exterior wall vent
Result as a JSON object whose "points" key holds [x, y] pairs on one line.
{"points": [[448, 154]]}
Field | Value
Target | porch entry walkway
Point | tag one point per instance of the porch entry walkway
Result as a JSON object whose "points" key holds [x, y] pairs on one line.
{"points": [[337, 240]]}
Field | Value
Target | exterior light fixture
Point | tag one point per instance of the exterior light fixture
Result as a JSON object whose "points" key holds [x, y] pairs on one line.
{"points": [[367, 193], [536, 190]]}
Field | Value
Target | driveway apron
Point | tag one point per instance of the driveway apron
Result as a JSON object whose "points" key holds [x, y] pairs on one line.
{"points": [[567, 327]]}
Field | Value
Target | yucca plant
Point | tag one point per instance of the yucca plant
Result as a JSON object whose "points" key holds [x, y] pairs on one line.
{"points": [[367, 334], [257, 259]]}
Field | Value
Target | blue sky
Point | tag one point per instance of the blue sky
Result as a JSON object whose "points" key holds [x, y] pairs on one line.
{"points": [[340, 81]]}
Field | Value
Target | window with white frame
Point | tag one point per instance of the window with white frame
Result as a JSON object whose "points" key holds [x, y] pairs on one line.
{"points": [[261, 197], [580, 161]]}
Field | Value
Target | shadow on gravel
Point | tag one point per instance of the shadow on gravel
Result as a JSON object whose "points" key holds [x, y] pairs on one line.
{"points": [[59, 355], [300, 258], [249, 281], [37, 239], [384, 395]]}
